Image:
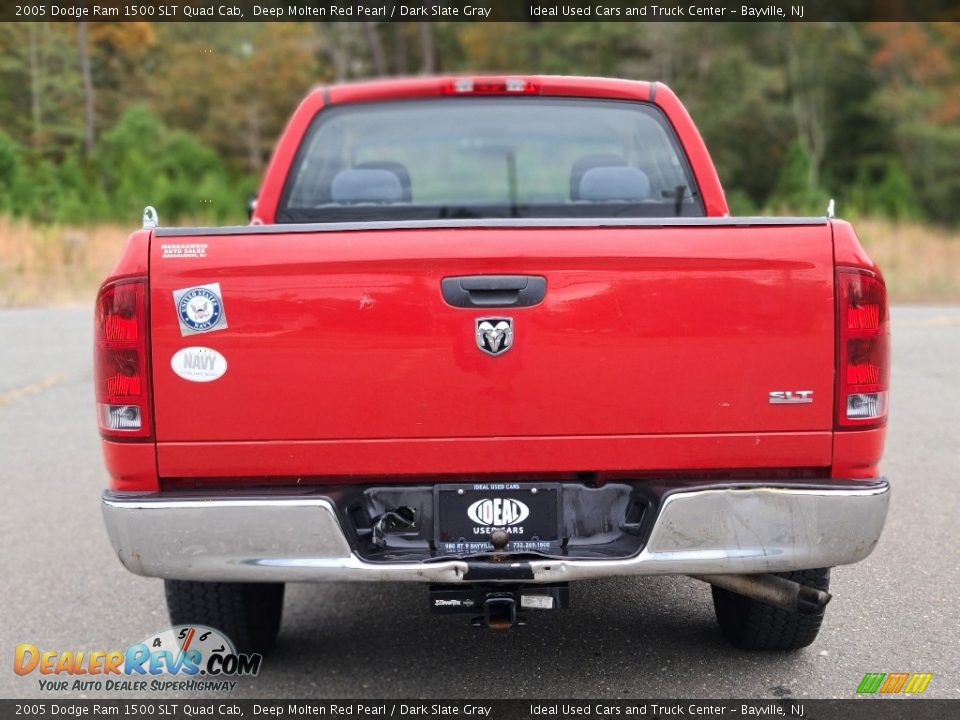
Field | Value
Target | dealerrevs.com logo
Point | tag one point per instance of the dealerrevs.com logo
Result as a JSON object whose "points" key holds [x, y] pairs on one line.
{"points": [[183, 657], [894, 683]]}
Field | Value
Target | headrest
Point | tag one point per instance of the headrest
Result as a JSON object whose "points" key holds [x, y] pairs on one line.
{"points": [[588, 162], [398, 169], [356, 185], [602, 184]]}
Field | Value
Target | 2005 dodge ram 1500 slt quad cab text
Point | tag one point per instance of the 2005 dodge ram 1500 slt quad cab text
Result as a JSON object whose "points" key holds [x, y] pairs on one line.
{"points": [[494, 335]]}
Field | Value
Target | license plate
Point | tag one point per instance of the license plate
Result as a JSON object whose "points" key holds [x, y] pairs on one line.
{"points": [[466, 515]]}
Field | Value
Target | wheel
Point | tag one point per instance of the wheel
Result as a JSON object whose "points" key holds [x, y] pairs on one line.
{"points": [[247, 613], [753, 625]]}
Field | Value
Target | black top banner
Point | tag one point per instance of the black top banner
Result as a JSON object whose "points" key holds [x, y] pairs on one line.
{"points": [[479, 11], [178, 709]]}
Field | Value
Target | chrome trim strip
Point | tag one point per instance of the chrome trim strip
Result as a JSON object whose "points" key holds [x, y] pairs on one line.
{"points": [[703, 531], [488, 223]]}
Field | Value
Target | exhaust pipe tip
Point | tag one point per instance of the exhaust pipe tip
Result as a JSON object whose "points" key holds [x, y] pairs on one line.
{"points": [[811, 601], [773, 590]]}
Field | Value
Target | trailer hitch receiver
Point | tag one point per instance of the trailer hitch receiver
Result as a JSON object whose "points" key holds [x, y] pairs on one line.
{"points": [[498, 606], [500, 612]]}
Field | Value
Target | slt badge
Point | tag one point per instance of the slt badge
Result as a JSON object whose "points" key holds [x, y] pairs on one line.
{"points": [[494, 335]]}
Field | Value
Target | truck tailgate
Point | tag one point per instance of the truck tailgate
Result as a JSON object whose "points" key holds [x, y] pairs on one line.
{"points": [[643, 331]]}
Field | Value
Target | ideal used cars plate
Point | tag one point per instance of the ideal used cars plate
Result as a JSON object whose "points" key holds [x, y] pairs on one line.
{"points": [[467, 515]]}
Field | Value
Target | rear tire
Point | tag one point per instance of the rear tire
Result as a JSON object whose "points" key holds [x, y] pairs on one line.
{"points": [[248, 613], [753, 625]]}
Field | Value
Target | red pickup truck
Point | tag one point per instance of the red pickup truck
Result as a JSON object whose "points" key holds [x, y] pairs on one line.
{"points": [[493, 335]]}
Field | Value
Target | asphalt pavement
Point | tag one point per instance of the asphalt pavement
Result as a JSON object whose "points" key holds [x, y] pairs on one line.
{"points": [[898, 611]]}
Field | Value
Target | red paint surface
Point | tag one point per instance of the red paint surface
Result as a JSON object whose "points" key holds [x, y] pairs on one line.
{"points": [[414, 458], [642, 331]]}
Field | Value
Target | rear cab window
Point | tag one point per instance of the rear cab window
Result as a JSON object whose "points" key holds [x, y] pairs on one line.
{"points": [[489, 157]]}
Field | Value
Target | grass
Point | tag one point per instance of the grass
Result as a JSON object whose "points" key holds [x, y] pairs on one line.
{"points": [[919, 263], [50, 265], [54, 265]]}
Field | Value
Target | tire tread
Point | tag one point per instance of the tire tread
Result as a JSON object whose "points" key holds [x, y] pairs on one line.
{"points": [[754, 625], [248, 613]]}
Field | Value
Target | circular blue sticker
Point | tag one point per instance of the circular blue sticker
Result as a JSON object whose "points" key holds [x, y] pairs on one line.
{"points": [[200, 309]]}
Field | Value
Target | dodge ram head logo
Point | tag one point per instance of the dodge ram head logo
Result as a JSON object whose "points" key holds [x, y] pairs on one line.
{"points": [[494, 335]]}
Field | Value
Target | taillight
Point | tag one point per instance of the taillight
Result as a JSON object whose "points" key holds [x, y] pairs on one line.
{"points": [[121, 378], [490, 86], [863, 379]]}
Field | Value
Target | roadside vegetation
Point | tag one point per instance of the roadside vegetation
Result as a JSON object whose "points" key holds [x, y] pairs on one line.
{"points": [[100, 119]]}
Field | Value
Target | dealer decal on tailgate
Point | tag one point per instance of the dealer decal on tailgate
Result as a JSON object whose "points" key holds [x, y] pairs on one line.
{"points": [[466, 516]]}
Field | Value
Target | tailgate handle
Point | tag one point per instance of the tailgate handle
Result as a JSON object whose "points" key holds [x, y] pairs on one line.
{"points": [[494, 290]]}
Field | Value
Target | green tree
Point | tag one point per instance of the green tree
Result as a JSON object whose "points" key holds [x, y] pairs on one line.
{"points": [[793, 191], [141, 162], [11, 174]]}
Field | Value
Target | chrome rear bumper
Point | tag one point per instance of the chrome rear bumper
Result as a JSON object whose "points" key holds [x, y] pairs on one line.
{"points": [[715, 530]]}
